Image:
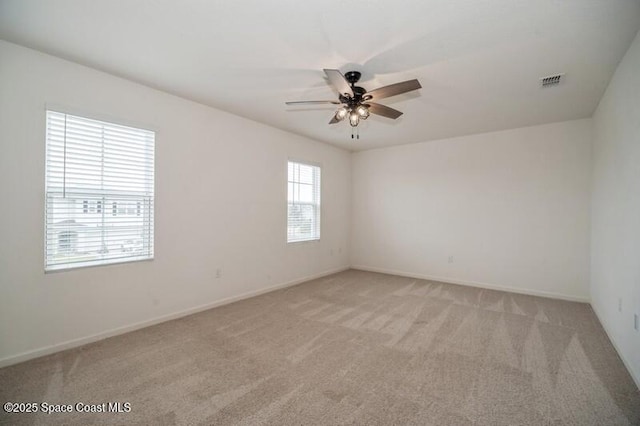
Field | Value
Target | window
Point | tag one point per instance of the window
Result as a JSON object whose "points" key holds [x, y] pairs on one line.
{"points": [[89, 163], [303, 218]]}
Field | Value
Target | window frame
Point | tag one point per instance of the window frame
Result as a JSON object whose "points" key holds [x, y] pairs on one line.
{"points": [[317, 205], [101, 204]]}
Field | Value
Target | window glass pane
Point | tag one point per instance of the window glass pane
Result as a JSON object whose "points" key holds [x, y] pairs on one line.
{"points": [[99, 192], [290, 186], [306, 174], [290, 171], [306, 193], [303, 212]]}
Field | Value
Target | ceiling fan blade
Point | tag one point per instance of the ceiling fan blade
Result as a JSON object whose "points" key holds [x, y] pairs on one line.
{"points": [[393, 89], [383, 110], [339, 83], [312, 102]]}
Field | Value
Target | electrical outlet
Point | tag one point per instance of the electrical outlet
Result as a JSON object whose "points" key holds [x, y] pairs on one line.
{"points": [[619, 304], [450, 259]]}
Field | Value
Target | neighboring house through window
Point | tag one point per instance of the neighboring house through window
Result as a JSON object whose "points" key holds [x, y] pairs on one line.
{"points": [[96, 163]]}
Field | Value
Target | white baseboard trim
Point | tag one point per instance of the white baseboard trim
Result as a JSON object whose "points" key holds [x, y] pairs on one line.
{"points": [[474, 284], [69, 344], [634, 375]]}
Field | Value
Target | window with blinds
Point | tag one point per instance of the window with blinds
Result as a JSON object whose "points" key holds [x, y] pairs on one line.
{"points": [[99, 192], [303, 217]]}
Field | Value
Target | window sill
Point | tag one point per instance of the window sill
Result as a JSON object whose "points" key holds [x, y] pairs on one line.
{"points": [[315, 240], [65, 268]]}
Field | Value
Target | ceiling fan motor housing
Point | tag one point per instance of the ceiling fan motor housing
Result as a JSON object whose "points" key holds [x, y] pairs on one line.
{"points": [[358, 96]]}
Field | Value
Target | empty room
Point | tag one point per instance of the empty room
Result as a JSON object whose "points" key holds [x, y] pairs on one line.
{"points": [[420, 212]]}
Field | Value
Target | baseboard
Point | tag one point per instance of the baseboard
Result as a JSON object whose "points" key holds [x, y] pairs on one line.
{"points": [[474, 284], [635, 376], [69, 344]]}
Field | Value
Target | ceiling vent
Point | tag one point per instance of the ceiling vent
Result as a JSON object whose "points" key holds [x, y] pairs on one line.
{"points": [[551, 80]]}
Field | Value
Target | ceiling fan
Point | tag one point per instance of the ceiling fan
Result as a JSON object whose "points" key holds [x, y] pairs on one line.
{"points": [[356, 103]]}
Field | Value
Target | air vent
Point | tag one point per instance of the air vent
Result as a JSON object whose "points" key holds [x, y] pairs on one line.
{"points": [[551, 80]]}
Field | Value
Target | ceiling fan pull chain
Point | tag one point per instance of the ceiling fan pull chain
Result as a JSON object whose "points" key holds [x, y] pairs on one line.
{"points": [[357, 133], [352, 133]]}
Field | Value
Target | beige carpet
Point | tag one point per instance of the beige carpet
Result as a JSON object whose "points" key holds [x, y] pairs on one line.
{"points": [[352, 348]]}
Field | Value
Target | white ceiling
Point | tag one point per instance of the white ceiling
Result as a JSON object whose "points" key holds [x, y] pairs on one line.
{"points": [[478, 61]]}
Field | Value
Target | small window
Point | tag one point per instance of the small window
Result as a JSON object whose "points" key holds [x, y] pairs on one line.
{"points": [[303, 212], [95, 163]]}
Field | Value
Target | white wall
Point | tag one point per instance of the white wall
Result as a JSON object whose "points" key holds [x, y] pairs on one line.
{"points": [[615, 244], [220, 202], [511, 207]]}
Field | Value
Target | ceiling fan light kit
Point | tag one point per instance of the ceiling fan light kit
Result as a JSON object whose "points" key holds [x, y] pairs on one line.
{"points": [[356, 103]]}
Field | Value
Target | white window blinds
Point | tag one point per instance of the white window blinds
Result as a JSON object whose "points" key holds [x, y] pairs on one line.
{"points": [[303, 219], [99, 192]]}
